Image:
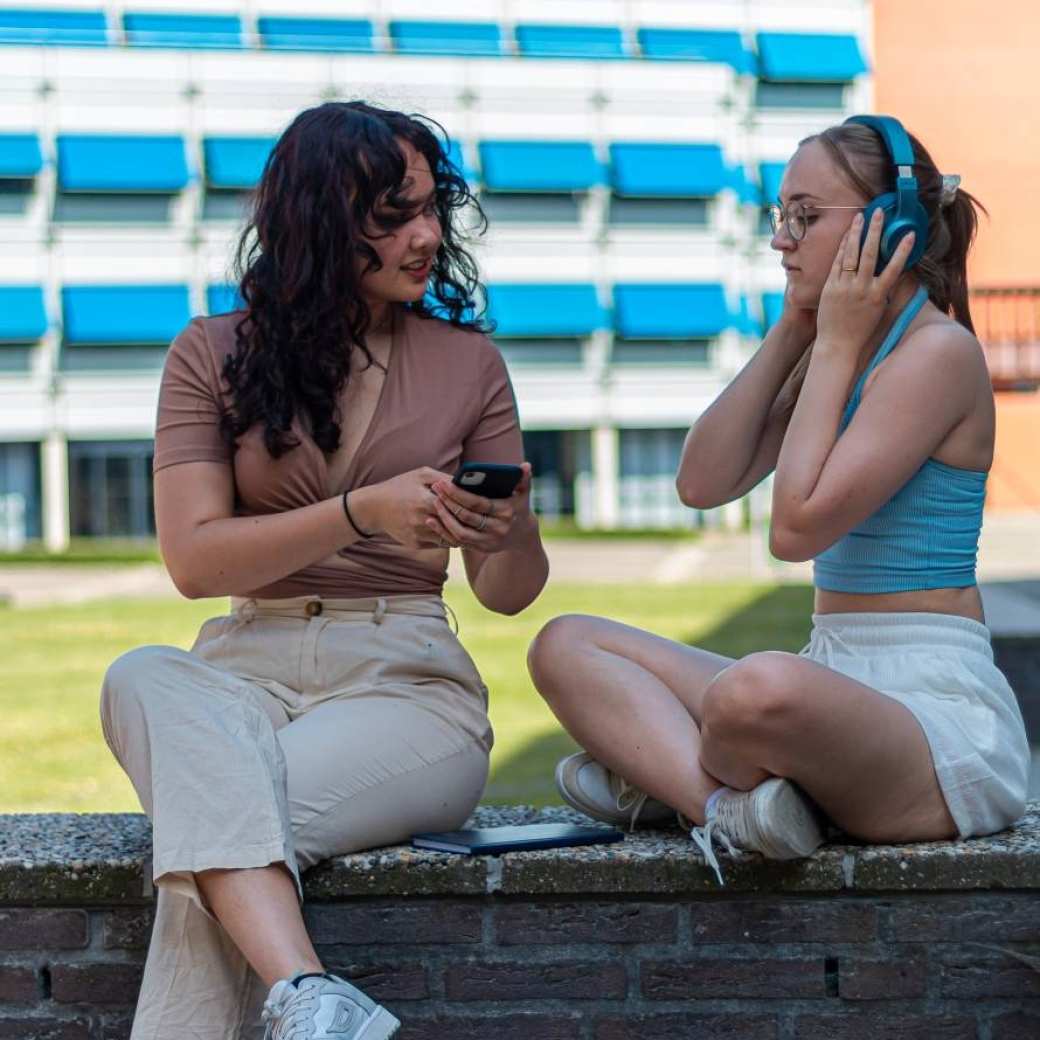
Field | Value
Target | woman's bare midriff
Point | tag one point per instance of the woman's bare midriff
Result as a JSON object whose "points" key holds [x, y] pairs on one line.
{"points": [[964, 602]]}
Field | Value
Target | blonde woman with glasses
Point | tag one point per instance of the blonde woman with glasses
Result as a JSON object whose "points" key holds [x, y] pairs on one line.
{"points": [[870, 402]]}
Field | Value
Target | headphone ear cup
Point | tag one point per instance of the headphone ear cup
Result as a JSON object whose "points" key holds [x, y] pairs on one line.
{"points": [[918, 223], [894, 229], [887, 204]]}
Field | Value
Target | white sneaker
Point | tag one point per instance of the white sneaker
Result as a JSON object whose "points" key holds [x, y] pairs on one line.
{"points": [[591, 788], [324, 1007], [775, 819]]}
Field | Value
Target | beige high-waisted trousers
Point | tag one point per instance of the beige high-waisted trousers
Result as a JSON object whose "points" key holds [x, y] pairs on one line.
{"points": [[293, 730]]}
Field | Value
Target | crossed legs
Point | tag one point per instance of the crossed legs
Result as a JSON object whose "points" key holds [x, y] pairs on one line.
{"points": [[229, 780], [679, 722]]}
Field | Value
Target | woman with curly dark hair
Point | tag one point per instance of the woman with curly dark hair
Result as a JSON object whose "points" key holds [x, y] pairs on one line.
{"points": [[303, 460]]}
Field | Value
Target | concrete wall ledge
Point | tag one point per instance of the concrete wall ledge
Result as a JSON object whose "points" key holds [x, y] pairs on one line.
{"points": [[636, 941], [54, 859]]}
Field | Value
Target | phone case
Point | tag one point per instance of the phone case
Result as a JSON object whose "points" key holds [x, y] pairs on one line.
{"points": [[498, 480]]}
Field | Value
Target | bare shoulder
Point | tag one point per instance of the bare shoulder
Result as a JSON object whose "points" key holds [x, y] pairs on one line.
{"points": [[946, 342], [939, 355]]}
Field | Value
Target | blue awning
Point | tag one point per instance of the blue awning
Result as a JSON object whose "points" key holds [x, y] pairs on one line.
{"points": [[459, 161], [221, 299], [540, 310], [744, 321], [316, 34], [715, 45], [20, 155], [71, 28], [689, 170], [217, 31], [570, 41], [117, 314], [98, 162], [23, 317], [235, 162], [803, 57], [771, 174], [539, 165], [745, 188], [772, 307], [670, 310], [467, 38]]}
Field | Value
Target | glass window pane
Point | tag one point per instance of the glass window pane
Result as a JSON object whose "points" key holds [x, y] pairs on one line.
{"points": [[799, 95], [110, 489], [534, 209]]}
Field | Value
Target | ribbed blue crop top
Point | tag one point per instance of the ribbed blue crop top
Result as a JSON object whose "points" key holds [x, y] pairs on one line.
{"points": [[926, 536]]}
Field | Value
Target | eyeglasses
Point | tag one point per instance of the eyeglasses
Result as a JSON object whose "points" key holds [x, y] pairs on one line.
{"points": [[795, 218]]}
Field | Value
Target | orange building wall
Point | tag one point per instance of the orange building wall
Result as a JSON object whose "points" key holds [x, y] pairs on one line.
{"points": [[1014, 480], [964, 76]]}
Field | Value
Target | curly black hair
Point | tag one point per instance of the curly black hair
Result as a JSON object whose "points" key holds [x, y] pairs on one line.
{"points": [[297, 271]]}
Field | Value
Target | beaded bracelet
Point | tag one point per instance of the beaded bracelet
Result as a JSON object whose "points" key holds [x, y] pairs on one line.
{"points": [[350, 519]]}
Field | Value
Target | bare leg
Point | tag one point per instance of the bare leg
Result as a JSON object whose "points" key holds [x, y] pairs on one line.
{"points": [[260, 910], [858, 754], [632, 699]]}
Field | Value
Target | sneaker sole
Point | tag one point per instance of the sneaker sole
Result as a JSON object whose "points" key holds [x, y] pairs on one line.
{"points": [[787, 802], [380, 1026]]}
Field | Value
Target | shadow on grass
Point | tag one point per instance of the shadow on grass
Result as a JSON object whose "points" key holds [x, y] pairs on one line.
{"points": [[779, 619]]}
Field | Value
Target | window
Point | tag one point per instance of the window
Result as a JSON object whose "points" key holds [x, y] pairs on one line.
{"points": [[649, 460], [550, 352], [20, 161], [555, 457], [799, 95], [545, 208], [97, 208], [110, 489], [228, 204], [696, 352], [20, 476], [106, 178], [15, 195], [537, 181], [631, 212]]}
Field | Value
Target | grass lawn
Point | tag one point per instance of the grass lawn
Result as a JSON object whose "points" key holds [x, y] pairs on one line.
{"points": [[53, 757]]}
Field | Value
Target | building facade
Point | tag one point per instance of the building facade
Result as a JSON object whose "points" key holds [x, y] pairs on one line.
{"points": [[622, 150]]}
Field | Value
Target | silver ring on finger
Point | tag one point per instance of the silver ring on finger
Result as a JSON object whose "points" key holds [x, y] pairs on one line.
{"points": [[483, 522], [457, 510]]}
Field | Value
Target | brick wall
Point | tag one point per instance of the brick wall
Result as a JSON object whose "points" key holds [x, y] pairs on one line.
{"points": [[926, 942]]}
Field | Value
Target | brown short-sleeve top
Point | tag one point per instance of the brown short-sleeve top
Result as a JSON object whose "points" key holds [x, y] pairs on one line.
{"points": [[446, 399]]}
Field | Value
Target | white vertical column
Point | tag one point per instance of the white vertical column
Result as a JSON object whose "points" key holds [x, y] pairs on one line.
{"points": [[605, 474], [54, 463]]}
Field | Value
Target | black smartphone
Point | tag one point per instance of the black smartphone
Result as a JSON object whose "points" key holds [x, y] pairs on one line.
{"points": [[490, 479]]}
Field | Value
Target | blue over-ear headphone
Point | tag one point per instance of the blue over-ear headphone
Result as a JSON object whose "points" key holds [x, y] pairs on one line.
{"points": [[902, 208]]}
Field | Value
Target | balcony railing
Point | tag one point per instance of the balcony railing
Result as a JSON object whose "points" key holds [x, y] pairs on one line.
{"points": [[1007, 323]]}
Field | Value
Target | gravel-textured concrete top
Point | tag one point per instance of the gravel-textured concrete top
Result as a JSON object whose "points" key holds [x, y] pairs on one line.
{"points": [[105, 857]]}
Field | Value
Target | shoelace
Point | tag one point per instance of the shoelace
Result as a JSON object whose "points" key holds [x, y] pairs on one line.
{"points": [[630, 797], [702, 837], [285, 1012]]}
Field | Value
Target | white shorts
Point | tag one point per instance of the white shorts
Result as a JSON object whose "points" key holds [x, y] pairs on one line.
{"points": [[941, 667]]}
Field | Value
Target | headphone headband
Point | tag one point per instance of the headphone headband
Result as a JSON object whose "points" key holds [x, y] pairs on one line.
{"points": [[903, 209], [892, 133]]}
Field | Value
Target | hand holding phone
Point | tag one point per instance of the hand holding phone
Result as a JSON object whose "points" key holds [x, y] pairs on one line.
{"points": [[483, 506]]}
